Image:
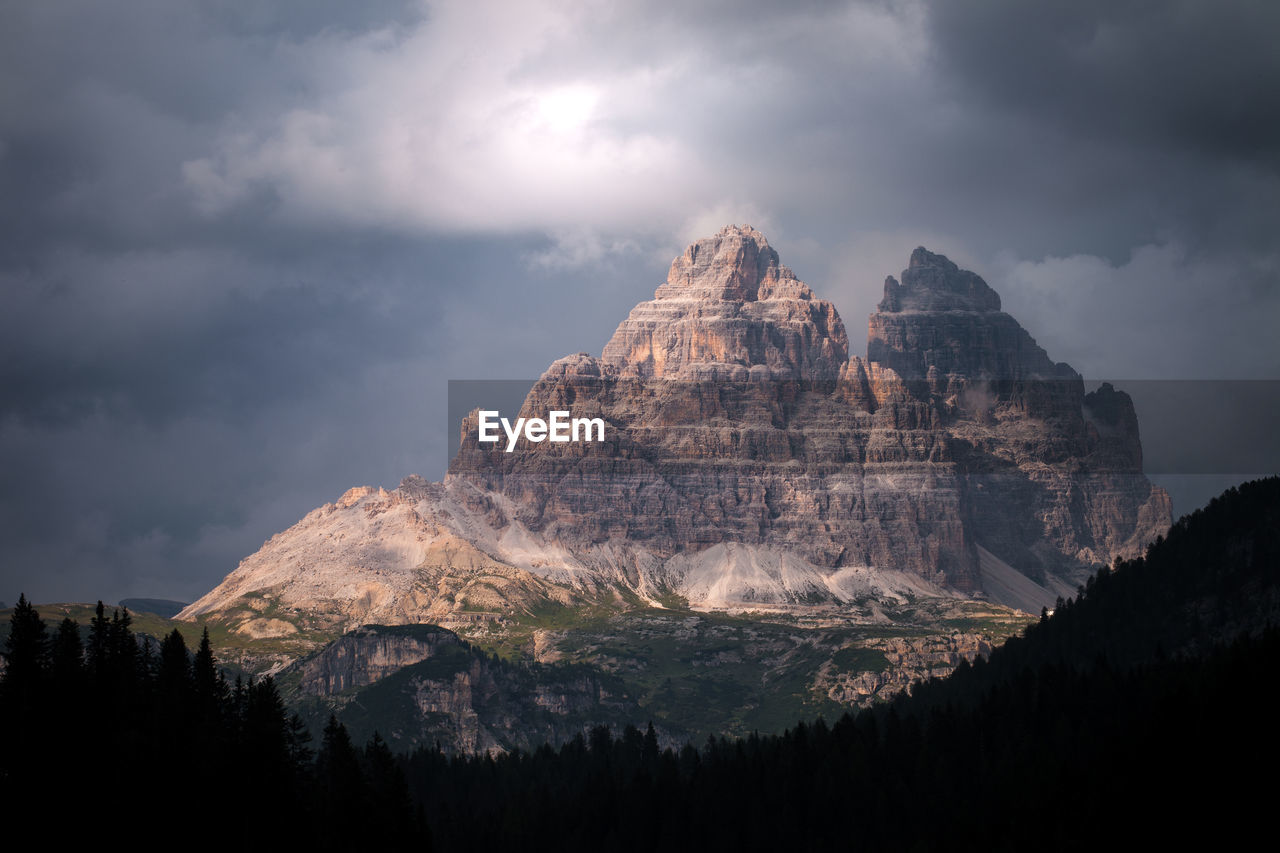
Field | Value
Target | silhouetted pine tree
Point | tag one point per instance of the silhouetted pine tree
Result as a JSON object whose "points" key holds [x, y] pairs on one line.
{"points": [[122, 649], [99, 644], [204, 668], [391, 809], [339, 785], [299, 741], [173, 674], [266, 733], [26, 658], [67, 655]]}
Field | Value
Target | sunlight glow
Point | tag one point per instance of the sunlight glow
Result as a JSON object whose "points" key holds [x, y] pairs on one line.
{"points": [[566, 108]]}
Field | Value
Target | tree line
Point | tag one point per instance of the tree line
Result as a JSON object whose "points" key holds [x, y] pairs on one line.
{"points": [[108, 729]]}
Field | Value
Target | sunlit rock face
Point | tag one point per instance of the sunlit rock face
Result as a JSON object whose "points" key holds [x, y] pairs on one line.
{"points": [[730, 311], [749, 460], [736, 416]]}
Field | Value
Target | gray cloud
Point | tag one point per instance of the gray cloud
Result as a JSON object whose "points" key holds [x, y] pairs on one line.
{"points": [[1182, 76], [246, 245]]}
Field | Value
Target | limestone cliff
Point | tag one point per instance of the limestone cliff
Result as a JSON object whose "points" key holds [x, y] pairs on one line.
{"points": [[1052, 477], [369, 654], [739, 426], [729, 311], [420, 685], [749, 461]]}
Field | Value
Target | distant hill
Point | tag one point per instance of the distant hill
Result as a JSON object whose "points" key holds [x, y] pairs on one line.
{"points": [[159, 606]]}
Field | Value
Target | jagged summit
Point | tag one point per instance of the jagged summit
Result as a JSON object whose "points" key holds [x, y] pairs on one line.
{"points": [[729, 310], [934, 283], [943, 325], [737, 264]]}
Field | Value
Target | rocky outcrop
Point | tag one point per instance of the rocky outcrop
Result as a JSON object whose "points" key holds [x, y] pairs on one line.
{"points": [[370, 654], [422, 685], [405, 556], [941, 329], [730, 311], [907, 660]]}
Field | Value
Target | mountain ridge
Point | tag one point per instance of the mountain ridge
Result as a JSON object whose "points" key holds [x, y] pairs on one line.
{"points": [[751, 463]]}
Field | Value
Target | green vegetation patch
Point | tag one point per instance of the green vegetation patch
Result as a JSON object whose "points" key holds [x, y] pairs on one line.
{"points": [[860, 659]]}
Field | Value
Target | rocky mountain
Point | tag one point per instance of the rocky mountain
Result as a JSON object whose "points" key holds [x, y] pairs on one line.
{"points": [[752, 461], [1052, 476], [749, 461], [749, 464], [423, 685]]}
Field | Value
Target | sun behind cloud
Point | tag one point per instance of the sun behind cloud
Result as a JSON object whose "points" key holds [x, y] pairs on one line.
{"points": [[566, 108]]}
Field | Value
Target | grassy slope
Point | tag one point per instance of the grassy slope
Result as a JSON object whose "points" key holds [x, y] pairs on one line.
{"points": [[697, 672]]}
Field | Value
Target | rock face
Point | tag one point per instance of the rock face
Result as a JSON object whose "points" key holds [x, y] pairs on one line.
{"points": [[943, 325], [729, 311], [1052, 476], [749, 461], [422, 685], [369, 654], [742, 435], [907, 661]]}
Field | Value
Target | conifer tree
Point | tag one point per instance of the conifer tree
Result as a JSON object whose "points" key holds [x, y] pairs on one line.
{"points": [[266, 729], [239, 701], [174, 670], [26, 655], [210, 684], [99, 641], [123, 647], [392, 809], [299, 740], [339, 783], [67, 654], [650, 746], [145, 664]]}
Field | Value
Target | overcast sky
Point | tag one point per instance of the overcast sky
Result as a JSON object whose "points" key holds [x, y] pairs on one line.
{"points": [[247, 243]]}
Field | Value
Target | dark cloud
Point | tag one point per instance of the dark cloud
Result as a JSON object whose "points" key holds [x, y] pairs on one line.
{"points": [[1155, 110], [248, 244], [1183, 76]]}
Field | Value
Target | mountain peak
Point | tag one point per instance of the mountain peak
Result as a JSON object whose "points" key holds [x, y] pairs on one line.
{"points": [[736, 264], [728, 306], [943, 325], [922, 257], [933, 282]]}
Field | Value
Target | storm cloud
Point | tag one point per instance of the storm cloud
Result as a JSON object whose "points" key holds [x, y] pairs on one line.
{"points": [[247, 245]]}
